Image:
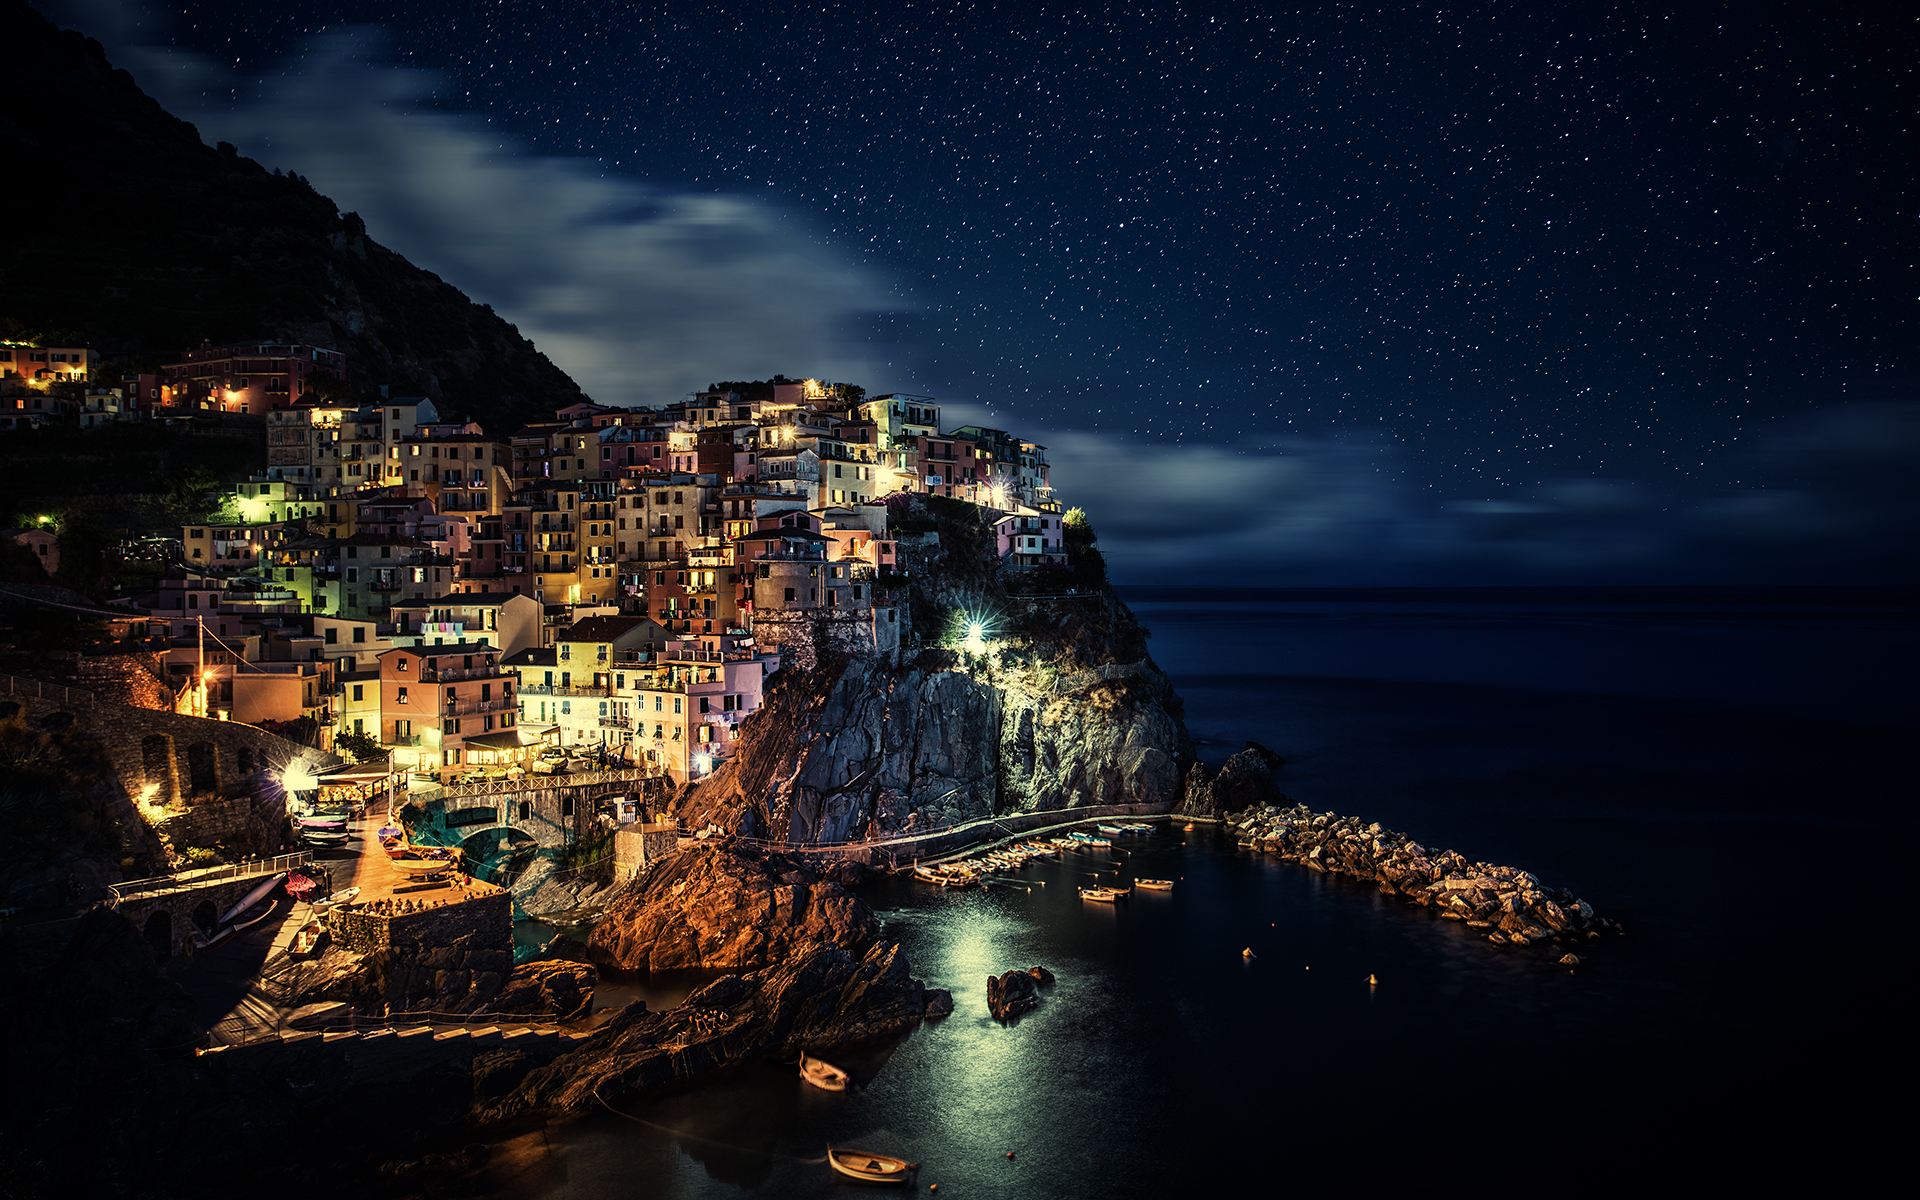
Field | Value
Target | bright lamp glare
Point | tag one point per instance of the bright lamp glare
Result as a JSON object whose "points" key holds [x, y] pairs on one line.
{"points": [[297, 778]]}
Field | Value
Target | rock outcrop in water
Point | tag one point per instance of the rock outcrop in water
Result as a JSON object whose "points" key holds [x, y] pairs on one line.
{"points": [[819, 978], [819, 998], [728, 908], [1510, 904], [1016, 992], [1243, 781]]}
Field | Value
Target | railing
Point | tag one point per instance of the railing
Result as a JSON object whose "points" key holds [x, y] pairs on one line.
{"points": [[20, 686], [535, 783], [616, 722], [193, 879], [555, 689], [479, 706], [454, 674]]}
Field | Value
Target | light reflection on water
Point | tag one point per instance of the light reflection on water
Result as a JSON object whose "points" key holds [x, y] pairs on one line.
{"points": [[1758, 858], [1156, 1029]]}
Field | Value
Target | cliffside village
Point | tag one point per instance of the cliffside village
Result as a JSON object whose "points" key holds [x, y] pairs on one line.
{"points": [[613, 583]]}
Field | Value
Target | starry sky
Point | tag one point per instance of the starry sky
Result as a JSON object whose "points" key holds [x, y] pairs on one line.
{"points": [[1615, 292]]}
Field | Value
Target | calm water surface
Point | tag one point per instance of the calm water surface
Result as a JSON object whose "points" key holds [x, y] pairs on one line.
{"points": [[1749, 1028]]}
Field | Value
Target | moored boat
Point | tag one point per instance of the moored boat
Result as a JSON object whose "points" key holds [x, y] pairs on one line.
{"points": [[1155, 885], [1113, 830], [1099, 841], [1104, 895], [824, 1075], [868, 1167]]}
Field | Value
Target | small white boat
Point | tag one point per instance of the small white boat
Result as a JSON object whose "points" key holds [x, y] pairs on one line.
{"points": [[1112, 830], [1155, 885], [868, 1167], [1104, 895], [1099, 841], [824, 1075]]}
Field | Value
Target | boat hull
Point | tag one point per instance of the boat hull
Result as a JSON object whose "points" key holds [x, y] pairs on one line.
{"points": [[871, 1168]]}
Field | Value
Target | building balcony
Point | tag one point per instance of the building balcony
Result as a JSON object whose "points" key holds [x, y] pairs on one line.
{"points": [[456, 674], [616, 722], [465, 708], [555, 689]]}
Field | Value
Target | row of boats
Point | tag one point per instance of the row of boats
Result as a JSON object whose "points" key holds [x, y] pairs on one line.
{"points": [[417, 862], [977, 870]]}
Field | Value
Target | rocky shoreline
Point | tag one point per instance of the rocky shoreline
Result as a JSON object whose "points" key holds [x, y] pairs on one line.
{"points": [[1513, 906]]}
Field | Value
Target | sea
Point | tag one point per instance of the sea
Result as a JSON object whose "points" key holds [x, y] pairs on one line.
{"points": [[1729, 773]]}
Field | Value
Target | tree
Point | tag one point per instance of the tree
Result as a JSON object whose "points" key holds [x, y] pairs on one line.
{"points": [[363, 746]]}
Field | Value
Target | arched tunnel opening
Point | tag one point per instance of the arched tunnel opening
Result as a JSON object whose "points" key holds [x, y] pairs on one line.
{"points": [[500, 854]]}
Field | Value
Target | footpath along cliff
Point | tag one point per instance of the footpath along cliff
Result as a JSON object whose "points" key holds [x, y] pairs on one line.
{"points": [[1010, 693]]}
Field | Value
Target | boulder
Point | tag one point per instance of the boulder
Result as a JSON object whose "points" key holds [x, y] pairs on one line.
{"points": [[939, 1003], [1041, 976], [1012, 994], [559, 988]]}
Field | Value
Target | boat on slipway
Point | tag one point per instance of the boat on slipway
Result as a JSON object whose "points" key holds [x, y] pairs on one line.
{"points": [[248, 911]]}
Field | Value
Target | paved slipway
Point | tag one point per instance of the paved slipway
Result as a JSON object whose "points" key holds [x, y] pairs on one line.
{"points": [[246, 992]]}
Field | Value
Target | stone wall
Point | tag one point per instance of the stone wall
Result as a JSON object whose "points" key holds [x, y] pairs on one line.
{"points": [[805, 637], [169, 765], [364, 932], [637, 847], [453, 958], [133, 678]]}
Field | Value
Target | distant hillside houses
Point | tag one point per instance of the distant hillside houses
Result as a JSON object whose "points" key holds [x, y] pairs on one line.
{"points": [[613, 583]]}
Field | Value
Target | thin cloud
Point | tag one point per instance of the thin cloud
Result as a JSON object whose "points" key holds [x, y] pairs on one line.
{"points": [[639, 292], [1832, 499]]}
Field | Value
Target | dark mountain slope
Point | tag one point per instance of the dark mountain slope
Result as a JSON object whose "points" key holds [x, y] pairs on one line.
{"points": [[126, 230]]}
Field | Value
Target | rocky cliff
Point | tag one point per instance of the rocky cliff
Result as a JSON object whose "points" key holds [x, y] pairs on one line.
{"points": [[1057, 705]]}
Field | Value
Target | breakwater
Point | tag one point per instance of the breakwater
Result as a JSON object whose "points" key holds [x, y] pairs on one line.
{"points": [[1512, 905]]}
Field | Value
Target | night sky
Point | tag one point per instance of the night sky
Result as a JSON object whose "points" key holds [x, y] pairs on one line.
{"points": [[1369, 294]]}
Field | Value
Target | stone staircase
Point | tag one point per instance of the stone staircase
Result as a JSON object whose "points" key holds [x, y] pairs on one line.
{"points": [[395, 1054]]}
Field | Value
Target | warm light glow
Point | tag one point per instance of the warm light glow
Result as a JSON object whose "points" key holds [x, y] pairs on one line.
{"points": [[703, 763], [297, 777], [976, 640]]}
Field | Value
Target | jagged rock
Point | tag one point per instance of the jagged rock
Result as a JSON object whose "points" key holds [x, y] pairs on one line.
{"points": [[1569, 960], [868, 747], [939, 1002], [558, 987], [1041, 976], [1274, 761], [1197, 800], [564, 948], [818, 998], [1012, 994], [715, 906]]}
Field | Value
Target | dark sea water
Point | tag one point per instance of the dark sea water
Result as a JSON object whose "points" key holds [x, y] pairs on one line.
{"points": [[1730, 774]]}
